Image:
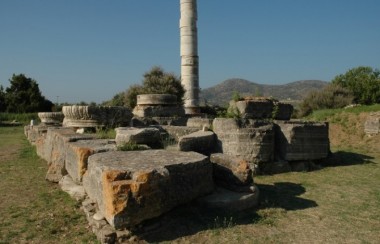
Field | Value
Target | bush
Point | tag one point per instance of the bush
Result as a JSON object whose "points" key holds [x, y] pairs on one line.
{"points": [[332, 96]]}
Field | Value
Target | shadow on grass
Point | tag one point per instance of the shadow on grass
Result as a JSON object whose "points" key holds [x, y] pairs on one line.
{"points": [[284, 195], [191, 218], [345, 158]]}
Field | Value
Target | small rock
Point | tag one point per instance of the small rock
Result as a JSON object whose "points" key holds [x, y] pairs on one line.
{"points": [[98, 216]]}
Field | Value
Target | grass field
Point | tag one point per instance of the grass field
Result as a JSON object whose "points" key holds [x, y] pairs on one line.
{"points": [[339, 203]]}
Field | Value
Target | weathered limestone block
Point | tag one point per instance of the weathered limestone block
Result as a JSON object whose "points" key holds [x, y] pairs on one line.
{"points": [[149, 136], [261, 108], [133, 186], [55, 149], [253, 108], [372, 124], [248, 139], [95, 116], [283, 111], [199, 123], [297, 140], [78, 152], [178, 131], [33, 133], [51, 118], [200, 141], [231, 172]]}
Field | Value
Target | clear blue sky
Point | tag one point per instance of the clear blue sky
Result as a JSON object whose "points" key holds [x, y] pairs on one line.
{"points": [[91, 50]]}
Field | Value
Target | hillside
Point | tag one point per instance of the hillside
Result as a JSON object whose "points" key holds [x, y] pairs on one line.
{"points": [[222, 93]]}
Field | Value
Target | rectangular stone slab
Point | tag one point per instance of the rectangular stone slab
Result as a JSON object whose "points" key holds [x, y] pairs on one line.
{"points": [[133, 186], [296, 140], [77, 154]]}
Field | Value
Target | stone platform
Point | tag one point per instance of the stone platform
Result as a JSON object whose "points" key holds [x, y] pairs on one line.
{"points": [[133, 186]]}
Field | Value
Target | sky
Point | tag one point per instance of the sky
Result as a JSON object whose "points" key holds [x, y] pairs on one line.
{"points": [[81, 50]]}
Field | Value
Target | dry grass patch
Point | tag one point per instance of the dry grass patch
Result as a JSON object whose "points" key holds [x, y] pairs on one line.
{"points": [[31, 209]]}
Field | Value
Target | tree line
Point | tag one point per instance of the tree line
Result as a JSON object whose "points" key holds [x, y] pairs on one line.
{"points": [[23, 96]]}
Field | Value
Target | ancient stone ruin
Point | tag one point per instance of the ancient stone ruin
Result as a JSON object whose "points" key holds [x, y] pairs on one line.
{"points": [[209, 161], [172, 157]]}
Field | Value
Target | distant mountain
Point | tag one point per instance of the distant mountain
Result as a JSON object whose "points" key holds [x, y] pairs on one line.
{"points": [[221, 94]]}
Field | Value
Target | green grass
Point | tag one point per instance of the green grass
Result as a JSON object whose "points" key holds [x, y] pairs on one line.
{"points": [[33, 210], [328, 114], [23, 118], [338, 204]]}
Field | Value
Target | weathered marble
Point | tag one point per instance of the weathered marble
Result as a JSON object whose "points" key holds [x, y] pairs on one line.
{"points": [[51, 118], [158, 105], [95, 116], [133, 186], [189, 55]]}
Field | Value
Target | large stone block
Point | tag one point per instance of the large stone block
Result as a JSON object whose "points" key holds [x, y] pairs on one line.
{"points": [[199, 123], [248, 139], [77, 154], [133, 186], [200, 141], [55, 149], [33, 133], [231, 172], [149, 136], [372, 124], [297, 140], [178, 131], [261, 108], [253, 108]]}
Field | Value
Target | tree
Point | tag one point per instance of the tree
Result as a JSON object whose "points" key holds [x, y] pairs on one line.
{"points": [[156, 81], [24, 96], [363, 82], [2, 99]]}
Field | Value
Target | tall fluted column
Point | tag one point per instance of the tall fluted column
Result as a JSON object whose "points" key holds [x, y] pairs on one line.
{"points": [[189, 55]]}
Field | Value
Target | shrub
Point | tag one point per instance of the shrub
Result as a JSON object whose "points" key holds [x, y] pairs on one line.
{"points": [[332, 96]]}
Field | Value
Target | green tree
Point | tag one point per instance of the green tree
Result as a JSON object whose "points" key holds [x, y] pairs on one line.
{"points": [[24, 96], [156, 81], [2, 99], [363, 82]]}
